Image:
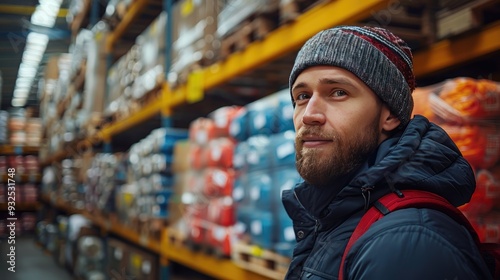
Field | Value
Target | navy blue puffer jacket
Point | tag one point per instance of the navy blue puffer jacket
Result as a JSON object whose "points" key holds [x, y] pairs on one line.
{"points": [[405, 244]]}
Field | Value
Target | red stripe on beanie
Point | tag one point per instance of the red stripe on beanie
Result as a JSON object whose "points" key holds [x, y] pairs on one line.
{"points": [[394, 57]]}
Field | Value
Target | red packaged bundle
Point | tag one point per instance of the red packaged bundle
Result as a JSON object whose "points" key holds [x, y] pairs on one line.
{"points": [[219, 238], [198, 231], [480, 145], [221, 211], [221, 153], [487, 193], [202, 130], [30, 193], [223, 117], [197, 156], [219, 182], [487, 227]]}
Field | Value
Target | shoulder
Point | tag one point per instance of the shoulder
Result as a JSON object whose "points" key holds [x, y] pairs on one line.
{"points": [[424, 243]]}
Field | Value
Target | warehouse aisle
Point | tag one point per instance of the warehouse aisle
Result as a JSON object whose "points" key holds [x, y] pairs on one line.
{"points": [[30, 262]]}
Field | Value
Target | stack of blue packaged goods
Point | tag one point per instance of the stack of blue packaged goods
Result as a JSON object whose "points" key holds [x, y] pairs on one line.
{"points": [[264, 161]]}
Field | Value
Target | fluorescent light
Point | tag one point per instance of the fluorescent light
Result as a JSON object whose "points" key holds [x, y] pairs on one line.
{"points": [[26, 71], [21, 93], [18, 102], [37, 38], [36, 43]]}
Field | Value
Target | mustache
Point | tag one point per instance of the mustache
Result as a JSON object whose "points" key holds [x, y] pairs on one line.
{"points": [[316, 131]]}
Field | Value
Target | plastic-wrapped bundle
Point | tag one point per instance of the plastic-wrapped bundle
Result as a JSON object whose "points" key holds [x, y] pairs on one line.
{"points": [[479, 144], [459, 100]]}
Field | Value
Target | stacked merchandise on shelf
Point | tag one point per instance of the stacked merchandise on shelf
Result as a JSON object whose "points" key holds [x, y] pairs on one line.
{"points": [[74, 243], [104, 173], [71, 190], [137, 73], [126, 261], [73, 90], [16, 125], [26, 192], [60, 101], [18, 128], [265, 163], [208, 217], [143, 201], [468, 110], [194, 42]]}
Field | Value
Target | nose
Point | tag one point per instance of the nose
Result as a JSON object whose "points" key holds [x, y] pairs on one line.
{"points": [[314, 113]]}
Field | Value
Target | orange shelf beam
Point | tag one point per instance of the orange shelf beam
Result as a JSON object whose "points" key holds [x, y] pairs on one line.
{"points": [[454, 51]]}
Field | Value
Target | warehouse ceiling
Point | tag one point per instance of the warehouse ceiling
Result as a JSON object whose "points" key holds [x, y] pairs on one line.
{"points": [[15, 26]]}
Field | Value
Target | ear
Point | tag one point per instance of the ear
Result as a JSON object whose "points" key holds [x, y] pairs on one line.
{"points": [[388, 121]]}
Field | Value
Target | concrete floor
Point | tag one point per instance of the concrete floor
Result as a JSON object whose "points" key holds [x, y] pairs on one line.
{"points": [[33, 263]]}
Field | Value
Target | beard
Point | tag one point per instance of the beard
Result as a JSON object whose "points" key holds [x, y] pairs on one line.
{"points": [[321, 167]]}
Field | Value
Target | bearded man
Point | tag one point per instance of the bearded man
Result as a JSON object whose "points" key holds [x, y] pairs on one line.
{"points": [[356, 141]]}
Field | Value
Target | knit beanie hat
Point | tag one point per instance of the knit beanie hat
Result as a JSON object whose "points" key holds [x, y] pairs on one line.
{"points": [[379, 58]]}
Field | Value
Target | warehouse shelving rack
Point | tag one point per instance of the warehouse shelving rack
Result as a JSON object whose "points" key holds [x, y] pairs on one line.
{"points": [[286, 39], [16, 150]]}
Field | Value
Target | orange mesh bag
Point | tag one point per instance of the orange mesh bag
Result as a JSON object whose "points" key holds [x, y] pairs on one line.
{"points": [[480, 145], [463, 99]]}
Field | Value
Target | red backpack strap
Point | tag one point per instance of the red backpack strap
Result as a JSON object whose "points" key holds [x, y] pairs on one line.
{"points": [[409, 199]]}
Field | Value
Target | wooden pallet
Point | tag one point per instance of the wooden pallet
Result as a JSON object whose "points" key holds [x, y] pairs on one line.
{"points": [[253, 29], [290, 10], [179, 239], [413, 21], [466, 18], [256, 259]]}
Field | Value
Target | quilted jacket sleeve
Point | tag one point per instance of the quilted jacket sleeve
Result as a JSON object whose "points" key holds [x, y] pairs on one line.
{"points": [[416, 244]]}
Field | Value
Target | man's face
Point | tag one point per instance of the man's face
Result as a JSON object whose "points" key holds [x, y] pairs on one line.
{"points": [[338, 122]]}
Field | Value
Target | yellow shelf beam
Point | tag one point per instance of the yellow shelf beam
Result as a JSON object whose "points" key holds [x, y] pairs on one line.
{"points": [[457, 50], [18, 150], [124, 232], [133, 12], [219, 268], [149, 110]]}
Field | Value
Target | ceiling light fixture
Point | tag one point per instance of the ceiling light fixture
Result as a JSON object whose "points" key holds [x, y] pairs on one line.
{"points": [[44, 15]]}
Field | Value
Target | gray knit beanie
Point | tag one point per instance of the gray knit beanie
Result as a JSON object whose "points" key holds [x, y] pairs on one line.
{"points": [[379, 58]]}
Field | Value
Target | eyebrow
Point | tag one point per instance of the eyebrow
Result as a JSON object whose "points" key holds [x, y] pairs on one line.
{"points": [[327, 81], [340, 80]]}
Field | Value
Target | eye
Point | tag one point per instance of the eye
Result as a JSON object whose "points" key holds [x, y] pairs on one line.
{"points": [[302, 96], [339, 93]]}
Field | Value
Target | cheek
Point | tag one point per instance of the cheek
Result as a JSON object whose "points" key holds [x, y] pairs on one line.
{"points": [[297, 118]]}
